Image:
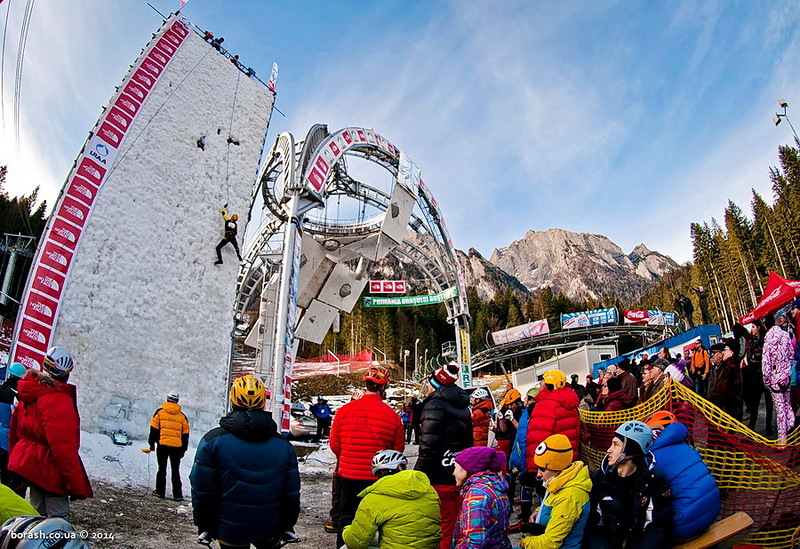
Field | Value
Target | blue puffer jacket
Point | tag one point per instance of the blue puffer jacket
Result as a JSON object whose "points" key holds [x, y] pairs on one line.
{"points": [[245, 482], [520, 442], [695, 496]]}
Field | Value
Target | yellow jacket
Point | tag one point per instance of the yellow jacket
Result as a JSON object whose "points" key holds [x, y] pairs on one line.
{"points": [[169, 427]]}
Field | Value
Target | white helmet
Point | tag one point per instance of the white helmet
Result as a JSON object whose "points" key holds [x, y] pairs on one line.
{"points": [[387, 460], [173, 396], [481, 393], [58, 361], [27, 532]]}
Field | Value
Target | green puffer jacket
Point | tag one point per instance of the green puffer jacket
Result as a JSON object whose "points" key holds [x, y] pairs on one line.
{"points": [[402, 508]]}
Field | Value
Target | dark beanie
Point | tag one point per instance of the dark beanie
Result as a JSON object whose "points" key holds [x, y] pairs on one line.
{"points": [[614, 384], [481, 458]]}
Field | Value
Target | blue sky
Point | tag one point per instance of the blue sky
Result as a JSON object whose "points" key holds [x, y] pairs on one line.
{"points": [[629, 119]]}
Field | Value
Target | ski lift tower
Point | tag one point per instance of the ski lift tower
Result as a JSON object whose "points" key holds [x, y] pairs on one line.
{"points": [[16, 246]]}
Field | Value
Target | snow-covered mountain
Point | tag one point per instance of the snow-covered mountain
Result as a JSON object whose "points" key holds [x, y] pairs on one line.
{"points": [[581, 264]]}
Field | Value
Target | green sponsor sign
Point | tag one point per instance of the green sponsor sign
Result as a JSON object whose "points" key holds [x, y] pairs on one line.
{"points": [[411, 301]]}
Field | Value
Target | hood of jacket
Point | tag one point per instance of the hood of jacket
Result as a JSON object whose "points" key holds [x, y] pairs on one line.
{"points": [[452, 393], [250, 425], [406, 484], [576, 475], [172, 408], [34, 384], [674, 433], [564, 396], [484, 405], [487, 478], [620, 395]]}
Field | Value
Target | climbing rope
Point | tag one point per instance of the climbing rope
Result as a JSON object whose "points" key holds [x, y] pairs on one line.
{"points": [[163, 104], [228, 152]]}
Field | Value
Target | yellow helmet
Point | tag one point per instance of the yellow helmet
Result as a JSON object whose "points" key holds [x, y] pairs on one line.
{"points": [[248, 392], [235, 217], [511, 396], [556, 378]]}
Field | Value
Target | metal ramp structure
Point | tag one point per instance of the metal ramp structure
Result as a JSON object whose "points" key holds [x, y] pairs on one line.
{"points": [[308, 259]]}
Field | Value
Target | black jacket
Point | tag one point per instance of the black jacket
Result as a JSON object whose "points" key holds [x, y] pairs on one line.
{"points": [[620, 508], [245, 482], [445, 429]]}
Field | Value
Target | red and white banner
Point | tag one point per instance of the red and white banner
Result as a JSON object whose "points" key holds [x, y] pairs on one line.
{"points": [[387, 286], [56, 252], [333, 147]]}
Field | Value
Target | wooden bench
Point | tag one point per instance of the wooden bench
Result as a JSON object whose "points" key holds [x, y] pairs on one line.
{"points": [[719, 531]]}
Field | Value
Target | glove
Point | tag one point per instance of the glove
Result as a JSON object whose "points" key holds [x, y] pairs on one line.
{"points": [[152, 447], [509, 415]]}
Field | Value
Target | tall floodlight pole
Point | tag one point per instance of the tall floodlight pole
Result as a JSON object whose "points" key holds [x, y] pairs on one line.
{"points": [[780, 116]]}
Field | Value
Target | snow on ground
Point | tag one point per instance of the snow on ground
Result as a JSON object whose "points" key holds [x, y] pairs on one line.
{"points": [[125, 466]]}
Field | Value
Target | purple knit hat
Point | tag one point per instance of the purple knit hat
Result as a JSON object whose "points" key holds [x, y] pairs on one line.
{"points": [[481, 458]]}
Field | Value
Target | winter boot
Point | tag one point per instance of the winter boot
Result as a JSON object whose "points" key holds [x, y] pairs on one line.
{"points": [[218, 262]]}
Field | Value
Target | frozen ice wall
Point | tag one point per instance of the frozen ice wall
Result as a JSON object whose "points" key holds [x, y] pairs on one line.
{"points": [[145, 309]]}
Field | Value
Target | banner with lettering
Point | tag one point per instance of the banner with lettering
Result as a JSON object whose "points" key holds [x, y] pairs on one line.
{"points": [[584, 319], [523, 331], [57, 248], [649, 317], [411, 301]]}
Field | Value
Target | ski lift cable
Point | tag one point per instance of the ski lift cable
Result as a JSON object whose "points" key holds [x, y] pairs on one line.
{"points": [[23, 40], [230, 129], [3, 67], [155, 114]]}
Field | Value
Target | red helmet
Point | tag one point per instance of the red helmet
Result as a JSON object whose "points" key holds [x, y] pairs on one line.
{"points": [[377, 374], [660, 419]]}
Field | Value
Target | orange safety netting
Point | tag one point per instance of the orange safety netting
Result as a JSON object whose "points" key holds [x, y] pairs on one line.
{"points": [[756, 475]]}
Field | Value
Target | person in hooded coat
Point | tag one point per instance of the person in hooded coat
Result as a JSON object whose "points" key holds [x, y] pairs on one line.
{"points": [[245, 481], [556, 411], [401, 507], [8, 400], [44, 437], [695, 496], [485, 511], [169, 428], [612, 397], [482, 407], [445, 429], [565, 508]]}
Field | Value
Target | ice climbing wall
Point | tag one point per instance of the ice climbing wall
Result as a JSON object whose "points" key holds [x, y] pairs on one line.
{"points": [[145, 310]]}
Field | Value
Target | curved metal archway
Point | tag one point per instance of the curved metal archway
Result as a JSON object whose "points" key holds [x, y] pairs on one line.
{"points": [[298, 182]]}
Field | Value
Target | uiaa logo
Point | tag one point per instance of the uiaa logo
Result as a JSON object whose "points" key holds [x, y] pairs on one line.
{"points": [[99, 153]]}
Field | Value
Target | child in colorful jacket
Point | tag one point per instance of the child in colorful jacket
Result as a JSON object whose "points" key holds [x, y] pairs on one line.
{"points": [[485, 511], [565, 508]]}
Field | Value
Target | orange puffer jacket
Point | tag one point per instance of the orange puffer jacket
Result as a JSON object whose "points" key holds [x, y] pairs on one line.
{"points": [[361, 428], [169, 426], [481, 415]]}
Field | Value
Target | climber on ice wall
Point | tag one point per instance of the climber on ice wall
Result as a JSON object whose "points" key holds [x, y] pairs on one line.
{"points": [[231, 229]]}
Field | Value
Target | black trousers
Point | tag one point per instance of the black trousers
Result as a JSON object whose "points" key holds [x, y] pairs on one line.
{"points": [[348, 503], [174, 455], [224, 242]]}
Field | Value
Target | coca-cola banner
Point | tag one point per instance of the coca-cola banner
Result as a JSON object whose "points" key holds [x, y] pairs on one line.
{"points": [[649, 317], [56, 252], [523, 331]]}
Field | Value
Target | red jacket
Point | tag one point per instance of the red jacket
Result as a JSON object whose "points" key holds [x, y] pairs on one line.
{"points": [[481, 414], [44, 436], [555, 412], [361, 428]]}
